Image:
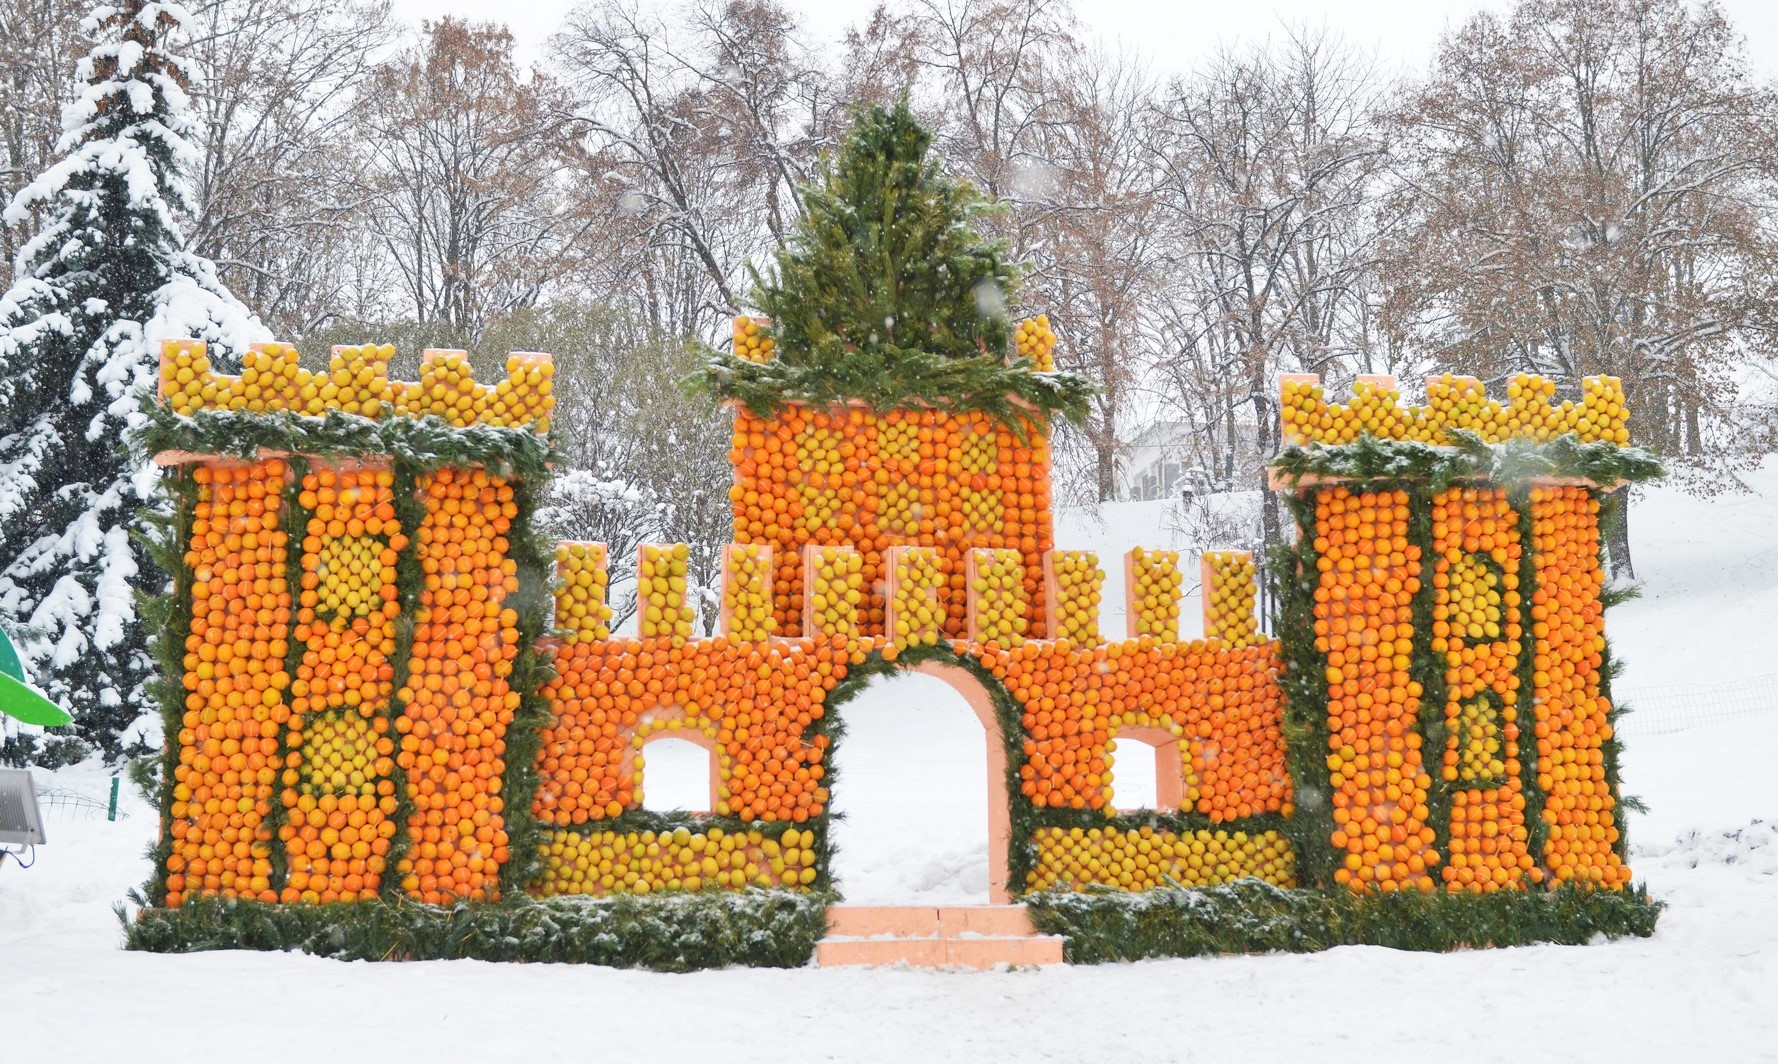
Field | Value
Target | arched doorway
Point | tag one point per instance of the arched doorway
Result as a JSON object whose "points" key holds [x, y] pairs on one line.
{"points": [[921, 781]]}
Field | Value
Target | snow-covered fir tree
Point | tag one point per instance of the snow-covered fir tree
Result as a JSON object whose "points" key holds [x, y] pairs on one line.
{"points": [[100, 286]]}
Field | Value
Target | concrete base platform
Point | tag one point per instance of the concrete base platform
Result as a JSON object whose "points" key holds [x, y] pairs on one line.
{"points": [[962, 936]]}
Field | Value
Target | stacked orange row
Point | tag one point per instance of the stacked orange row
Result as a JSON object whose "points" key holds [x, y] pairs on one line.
{"points": [[1476, 629], [1573, 722], [338, 792], [755, 700], [234, 681], [457, 703], [1369, 573], [908, 478], [1223, 702]]}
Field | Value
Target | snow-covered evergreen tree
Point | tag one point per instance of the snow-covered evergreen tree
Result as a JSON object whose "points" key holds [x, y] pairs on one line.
{"points": [[106, 280]]}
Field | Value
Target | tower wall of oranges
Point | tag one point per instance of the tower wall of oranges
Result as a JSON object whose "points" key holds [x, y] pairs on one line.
{"points": [[1461, 630], [349, 644], [235, 677]]}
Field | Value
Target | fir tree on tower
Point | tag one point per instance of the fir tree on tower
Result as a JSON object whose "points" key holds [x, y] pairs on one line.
{"points": [[98, 289], [888, 293]]}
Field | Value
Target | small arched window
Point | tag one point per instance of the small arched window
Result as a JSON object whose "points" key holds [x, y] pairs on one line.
{"points": [[678, 773], [1147, 771]]}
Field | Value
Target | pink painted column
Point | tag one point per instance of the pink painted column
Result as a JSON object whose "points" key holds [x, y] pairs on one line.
{"points": [[999, 799]]}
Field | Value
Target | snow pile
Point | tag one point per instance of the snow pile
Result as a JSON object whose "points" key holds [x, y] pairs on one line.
{"points": [[1753, 848]]}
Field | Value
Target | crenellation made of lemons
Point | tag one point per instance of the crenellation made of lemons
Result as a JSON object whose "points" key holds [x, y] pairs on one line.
{"points": [[1230, 593], [997, 597], [753, 339], [582, 610], [747, 592], [357, 382], [656, 862], [1033, 339], [836, 592], [918, 614], [1157, 583], [661, 592], [1454, 402], [1079, 589]]}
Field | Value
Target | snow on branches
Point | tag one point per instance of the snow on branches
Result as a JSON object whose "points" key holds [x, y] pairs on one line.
{"points": [[104, 281]]}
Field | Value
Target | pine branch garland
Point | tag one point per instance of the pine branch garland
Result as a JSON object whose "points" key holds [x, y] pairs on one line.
{"points": [[1467, 458]]}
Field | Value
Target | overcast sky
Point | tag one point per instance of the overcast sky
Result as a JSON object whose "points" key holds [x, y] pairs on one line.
{"points": [[1170, 35]]}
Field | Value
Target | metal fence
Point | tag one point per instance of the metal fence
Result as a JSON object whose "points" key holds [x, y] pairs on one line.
{"points": [[68, 803], [1676, 707]]}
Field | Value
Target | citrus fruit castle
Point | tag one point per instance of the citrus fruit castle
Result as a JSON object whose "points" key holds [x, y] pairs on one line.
{"points": [[382, 689]]}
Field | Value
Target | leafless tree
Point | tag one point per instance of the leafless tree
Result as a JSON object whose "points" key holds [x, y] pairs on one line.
{"points": [[1587, 187], [40, 41], [462, 157], [1095, 235], [1271, 155], [276, 200], [694, 139]]}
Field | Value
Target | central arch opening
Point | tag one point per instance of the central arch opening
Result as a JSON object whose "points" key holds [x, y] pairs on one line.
{"points": [[913, 772]]}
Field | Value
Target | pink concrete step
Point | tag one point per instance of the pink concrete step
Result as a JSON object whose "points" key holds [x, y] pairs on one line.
{"points": [[958, 936], [984, 952], [909, 921]]}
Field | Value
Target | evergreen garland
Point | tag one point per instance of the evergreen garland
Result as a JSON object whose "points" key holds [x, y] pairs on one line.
{"points": [[1467, 458], [426, 443], [668, 933], [888, 295], [1249, 916], [1302, 681]]}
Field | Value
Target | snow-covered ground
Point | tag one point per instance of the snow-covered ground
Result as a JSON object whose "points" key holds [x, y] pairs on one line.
{"points": [[911, 782]]}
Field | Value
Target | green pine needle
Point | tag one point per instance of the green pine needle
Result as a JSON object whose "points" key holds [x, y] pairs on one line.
{"points": [[887, 294]]}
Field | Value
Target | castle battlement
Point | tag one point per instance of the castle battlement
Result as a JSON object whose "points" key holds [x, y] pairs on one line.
{"points": [[357, 382], [1452, 402], [918, 595]]}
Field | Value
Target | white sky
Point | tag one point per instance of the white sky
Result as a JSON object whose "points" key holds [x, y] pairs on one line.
{"points": [[1171, 35]]}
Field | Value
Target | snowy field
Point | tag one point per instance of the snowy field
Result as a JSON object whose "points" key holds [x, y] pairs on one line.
{"points": [[1704, 988]]}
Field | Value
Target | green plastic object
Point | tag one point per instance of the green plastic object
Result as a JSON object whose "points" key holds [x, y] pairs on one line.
{"points": [[19, 699]]}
